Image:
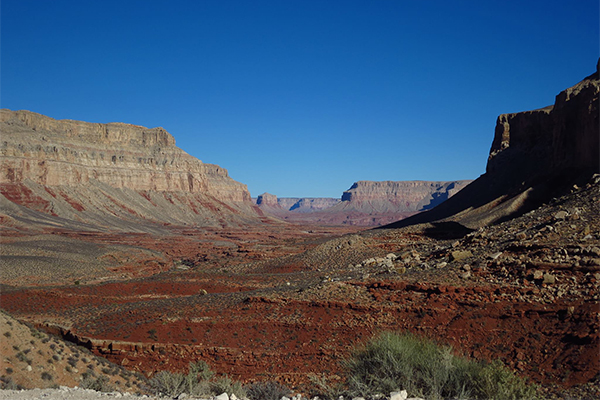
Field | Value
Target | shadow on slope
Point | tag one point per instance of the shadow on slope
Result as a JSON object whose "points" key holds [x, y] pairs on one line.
{"points": [[535, 156]]}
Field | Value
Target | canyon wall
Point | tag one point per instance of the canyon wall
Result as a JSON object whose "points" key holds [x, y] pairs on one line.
{"points": [[397, 196], [366, 203], [556, 138], [294, 204], [107, 174], [535, 156]]}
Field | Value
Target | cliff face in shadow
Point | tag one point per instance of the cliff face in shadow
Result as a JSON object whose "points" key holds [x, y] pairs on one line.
{"points": [[115, 175], [535, 156]]}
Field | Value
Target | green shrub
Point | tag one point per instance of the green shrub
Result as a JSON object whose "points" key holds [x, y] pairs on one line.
{"points": [[225, 384], [198, 382], [495, 381], [100, 384], [201, 371], [269, 390], [198, 379], [166, 383], [321, 388], [425, 369]]}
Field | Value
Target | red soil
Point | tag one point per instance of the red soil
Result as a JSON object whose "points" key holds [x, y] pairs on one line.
{"points": [[240, 326], [22, 195]]}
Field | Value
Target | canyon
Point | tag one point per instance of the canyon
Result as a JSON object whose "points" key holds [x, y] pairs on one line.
{"points": [[506, 268], [365, 203]]}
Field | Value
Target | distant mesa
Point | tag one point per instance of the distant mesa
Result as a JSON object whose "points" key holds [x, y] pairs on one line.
{"points": [[268, 200], [365, 203], [397, 196], [272, 203]]}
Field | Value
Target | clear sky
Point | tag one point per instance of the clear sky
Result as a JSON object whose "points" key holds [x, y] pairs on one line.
{"points": [[301, 98]]}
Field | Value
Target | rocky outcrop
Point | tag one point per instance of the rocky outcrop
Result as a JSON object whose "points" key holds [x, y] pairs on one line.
{"points": [[366, 203], [550, 140], [535, 156], [114, 174], [267, 200], [397, 196], [295, 204], [307, 204]]}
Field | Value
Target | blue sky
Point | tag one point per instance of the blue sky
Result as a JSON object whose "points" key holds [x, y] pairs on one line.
{"points": [[301, 98]]}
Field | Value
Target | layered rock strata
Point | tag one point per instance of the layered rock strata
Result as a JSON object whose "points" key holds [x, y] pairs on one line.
{"points": [[272, 203], [112, 175], [307, 204], [397, 196], [535, 156], [366, 203]]}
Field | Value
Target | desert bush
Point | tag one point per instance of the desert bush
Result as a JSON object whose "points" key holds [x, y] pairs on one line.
{"points": [[425, 369], [496, 381], [99, 384], [225, 384], [46, 376], [167, 383], [268, 390], [7, 383], [22, 357], [201, 370], [199, 381], [322, 388]]}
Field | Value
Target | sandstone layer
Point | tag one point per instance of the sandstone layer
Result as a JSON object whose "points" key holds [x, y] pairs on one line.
{"points": [[399, 196], [117, 176], [535, 156], [272, 203], [366, 203], [307, 204]]}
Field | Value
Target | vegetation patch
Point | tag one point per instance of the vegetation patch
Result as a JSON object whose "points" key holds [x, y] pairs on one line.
{"points": [[199, 381], [269, 390], [391, 362]]}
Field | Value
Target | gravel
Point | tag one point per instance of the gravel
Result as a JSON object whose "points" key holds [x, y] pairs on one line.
{"points": [[65, 393]]}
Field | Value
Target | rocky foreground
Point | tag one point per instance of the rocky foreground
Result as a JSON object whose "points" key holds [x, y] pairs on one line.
{"points": [[76, 393]]}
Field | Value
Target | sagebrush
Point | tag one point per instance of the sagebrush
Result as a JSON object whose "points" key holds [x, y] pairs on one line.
{"points": [[426, 369], [199, 381]]}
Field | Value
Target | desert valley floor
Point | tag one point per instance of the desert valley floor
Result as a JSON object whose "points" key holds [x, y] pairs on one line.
{"points": [[286, 301]]}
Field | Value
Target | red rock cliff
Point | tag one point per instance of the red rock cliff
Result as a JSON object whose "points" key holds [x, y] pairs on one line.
{"points": [[535, 156], [66, 167]]}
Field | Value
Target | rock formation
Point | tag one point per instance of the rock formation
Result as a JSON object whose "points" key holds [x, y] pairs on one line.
{"points": [[267, 200], [113, 175], [366, 203], [535, 156], [400, 196], [307, 204], [272, 203]]}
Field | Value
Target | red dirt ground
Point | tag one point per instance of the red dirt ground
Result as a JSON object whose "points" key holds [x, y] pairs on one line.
{"points": [[273, 320]]}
